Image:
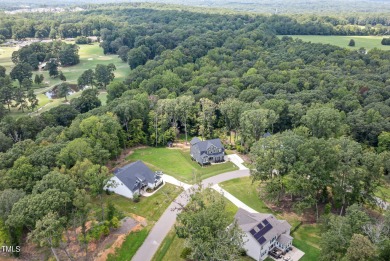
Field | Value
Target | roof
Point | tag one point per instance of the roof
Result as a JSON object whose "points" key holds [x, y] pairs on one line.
{"points": [[263, 227], [204, 145], [267, 134], [135, 174], [194, 140], [284, 239]]}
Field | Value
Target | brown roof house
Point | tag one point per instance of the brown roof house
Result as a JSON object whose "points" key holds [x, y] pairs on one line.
{"points": [[263, 233]]}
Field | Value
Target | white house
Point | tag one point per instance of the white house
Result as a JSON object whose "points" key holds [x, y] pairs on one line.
{"points": [[263, 232], [133, 179]]}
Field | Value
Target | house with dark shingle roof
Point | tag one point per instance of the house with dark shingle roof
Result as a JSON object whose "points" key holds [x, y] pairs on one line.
{"points": [[263, 233], [207, 152], [132, 179]]}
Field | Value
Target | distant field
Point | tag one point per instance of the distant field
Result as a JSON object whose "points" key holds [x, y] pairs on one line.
{"points": [[90, 56], [368, 42], [5, 57]]}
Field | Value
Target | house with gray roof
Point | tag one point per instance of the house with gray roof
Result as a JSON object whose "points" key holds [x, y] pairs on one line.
{"points": [[263, 233], [207, 151], [132, 179]]}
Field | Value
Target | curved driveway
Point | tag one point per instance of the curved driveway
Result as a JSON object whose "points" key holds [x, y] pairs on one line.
{"points": [[162, 227]]}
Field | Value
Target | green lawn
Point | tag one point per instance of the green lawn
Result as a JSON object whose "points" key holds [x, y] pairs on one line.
{"points": [[5, 57], [178, 163], [243, 189], [130, 246], [306, 237], [368, 42], [90, 56], [149, 207], [172, 246]]}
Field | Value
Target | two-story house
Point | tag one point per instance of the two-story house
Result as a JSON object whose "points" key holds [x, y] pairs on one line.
{"points": [[207, 152], [263, 232]]}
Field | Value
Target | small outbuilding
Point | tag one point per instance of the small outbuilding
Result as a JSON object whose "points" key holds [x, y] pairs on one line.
{"points": [[134, 178]]}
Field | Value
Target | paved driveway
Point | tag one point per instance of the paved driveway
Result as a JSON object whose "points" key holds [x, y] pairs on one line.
{"points": [[233, 199], [237, 160], [162, 227], [175, 181]]}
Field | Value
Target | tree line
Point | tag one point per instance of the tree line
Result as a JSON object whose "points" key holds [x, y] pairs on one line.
{"points": [[97, 20], [326, 108]]}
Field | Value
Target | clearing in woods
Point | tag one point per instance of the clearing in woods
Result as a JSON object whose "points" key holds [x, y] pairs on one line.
{"points": [[90, 56], [367, 42]]}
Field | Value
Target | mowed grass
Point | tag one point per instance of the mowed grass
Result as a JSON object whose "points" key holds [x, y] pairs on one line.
{"points": [[178, 163], [367, 42], [172, 246], [243, 189], [5, 57], [130, 246], [90, 56], [150, 208], [306, 237]]}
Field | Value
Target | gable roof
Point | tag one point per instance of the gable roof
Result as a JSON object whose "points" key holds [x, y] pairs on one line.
{"points": [[134, 175], [194, 140], [284, 239], [262, 227], [267, 134], [204, 145]]}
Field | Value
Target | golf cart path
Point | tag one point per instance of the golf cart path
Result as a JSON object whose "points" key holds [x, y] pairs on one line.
{"points": [[162, 227]]}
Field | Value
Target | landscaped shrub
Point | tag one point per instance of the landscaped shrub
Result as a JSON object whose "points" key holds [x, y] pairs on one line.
{"points": [[115, 223], [385, 41], [83, 40], [185, 253], [136, 198]]}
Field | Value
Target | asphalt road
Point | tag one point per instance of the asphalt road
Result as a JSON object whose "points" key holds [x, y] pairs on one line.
{"points": [[162, 227]]}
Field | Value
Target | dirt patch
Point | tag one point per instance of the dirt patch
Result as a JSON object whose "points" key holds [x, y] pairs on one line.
{"points": [[121, 160], [181, 145], [140, 219], [285, 207], [97, 250], [116, 239]]}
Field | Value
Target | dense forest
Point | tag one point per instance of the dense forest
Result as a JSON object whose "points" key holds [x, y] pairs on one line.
{"points": [[265, 6], [229, 76], [97, 20]]}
